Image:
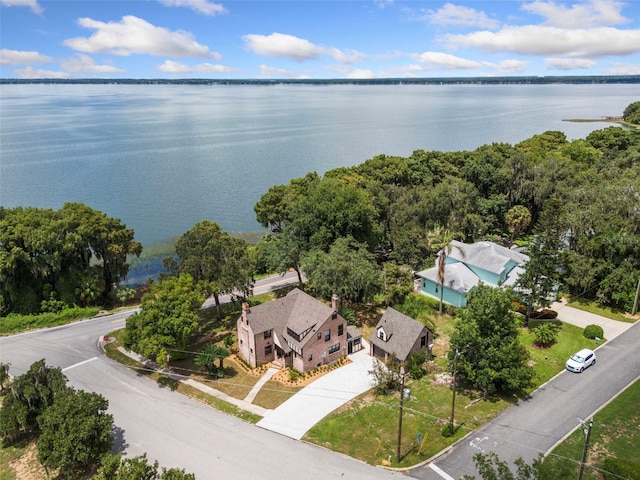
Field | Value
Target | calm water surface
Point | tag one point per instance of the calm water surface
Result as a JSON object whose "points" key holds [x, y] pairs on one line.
{"points": [[164, 157]]}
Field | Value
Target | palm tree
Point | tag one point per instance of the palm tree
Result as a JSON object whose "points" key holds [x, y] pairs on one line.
{"points": [[207, 358], [442, 239]]}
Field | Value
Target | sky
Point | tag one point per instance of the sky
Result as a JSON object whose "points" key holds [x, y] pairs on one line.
{"points": [[317, 39]]}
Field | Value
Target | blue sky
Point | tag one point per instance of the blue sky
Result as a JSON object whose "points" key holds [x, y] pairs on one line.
{"points": [[317, 39]]}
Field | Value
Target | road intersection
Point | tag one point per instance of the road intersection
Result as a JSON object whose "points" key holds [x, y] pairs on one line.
{"points": [[181, 432]]}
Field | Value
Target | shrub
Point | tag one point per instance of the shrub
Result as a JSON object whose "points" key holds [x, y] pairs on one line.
{"points": [[544, 314], [593, 331], [544, 335], [294, 374], [448, 430]]}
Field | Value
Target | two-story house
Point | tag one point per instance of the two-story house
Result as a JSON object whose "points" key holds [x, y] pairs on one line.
{"points": [[295, 331], [469, 264]]}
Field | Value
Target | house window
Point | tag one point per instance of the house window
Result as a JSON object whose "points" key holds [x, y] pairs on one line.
{"points": [[327, 335], [310, 358], [340, 330], [268, 349], [334, 316], [267, 334], [381, 334], [423, 341], [334, 348], [319, 336]]}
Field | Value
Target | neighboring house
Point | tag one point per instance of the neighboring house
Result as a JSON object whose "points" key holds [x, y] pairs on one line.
{"points": [[469, 264], [398, 335], [295, 331]]}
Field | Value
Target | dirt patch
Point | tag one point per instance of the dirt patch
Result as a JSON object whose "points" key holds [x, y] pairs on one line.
{"points": [[444, 378], [27, 467]]}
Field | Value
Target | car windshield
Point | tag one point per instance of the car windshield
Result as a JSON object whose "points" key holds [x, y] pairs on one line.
{"points": [[577, 358]]}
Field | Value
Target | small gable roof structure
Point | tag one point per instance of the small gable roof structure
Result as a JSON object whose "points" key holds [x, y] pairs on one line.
{"points": [[400, 334]]}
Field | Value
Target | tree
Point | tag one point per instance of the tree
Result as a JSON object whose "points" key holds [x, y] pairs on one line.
{"points": [[518, 219], [386, 377], [76, 432], [348, 270], [209, 355], [486, 336], [220, 262], [542, 272], [442, 240], [4, 375], [631, 114], [167, 318], [115, 467], [397, 283], [29, 396]]}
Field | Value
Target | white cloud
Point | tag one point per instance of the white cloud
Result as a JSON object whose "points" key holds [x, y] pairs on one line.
{"points": [[346, 56], [617, 68], [444, 60], [19, 57], [593, 13], [30, 72], [381, 4], [282, 45], [540, 40], [568, 63], [509, 67], [451, 14], [172, 67], [135, 35], [350, 72], [85, 64], [274, 72], [32, 4], [201, 6]]}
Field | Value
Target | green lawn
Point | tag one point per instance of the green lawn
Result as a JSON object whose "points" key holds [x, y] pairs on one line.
{"points": [[549, 361], [367, 427], [615, 433], [593, 307], [15, 323]]}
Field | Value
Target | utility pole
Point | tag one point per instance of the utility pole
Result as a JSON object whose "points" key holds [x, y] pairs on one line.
{"points": [[453, 399], [634, 310], [587, 434], [400, 417]]}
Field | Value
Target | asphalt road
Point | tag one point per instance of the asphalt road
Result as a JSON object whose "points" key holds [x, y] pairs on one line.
{"points": [[536, 424], [178, 431], [174, 429]]}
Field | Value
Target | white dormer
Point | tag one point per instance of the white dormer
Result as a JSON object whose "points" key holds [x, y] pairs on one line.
{"points": [[382, 335]]}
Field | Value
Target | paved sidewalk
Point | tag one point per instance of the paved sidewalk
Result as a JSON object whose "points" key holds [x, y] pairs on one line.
{"points": [[580, 318], [271, 371], [242, 404], [303, 410]]}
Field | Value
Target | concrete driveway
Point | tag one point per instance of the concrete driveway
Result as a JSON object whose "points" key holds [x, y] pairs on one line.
{"points": [[315, 401], [580, 318]]}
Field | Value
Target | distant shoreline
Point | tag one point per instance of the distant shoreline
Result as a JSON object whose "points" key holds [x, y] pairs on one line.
{"points": [[541, 80]]}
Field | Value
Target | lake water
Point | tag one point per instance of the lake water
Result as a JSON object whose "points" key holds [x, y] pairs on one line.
{"points": [[163, 157]]}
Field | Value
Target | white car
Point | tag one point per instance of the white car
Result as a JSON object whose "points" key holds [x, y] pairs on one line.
{"points": [[581, 360]]}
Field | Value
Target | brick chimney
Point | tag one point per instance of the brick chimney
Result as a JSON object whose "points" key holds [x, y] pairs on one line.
{"points": [[335, 302]]}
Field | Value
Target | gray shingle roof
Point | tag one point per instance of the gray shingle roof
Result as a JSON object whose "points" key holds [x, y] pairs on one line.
{"points": [[401, 332], [296, 310], [486, 255], [457, 276]]}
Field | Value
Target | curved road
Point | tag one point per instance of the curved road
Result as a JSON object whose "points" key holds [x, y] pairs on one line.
{"points": [[181, 432], [174, 429]]}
